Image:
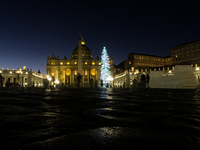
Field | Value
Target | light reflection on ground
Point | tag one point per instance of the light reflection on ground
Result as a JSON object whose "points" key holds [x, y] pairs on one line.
{"points": [[99, 119]]}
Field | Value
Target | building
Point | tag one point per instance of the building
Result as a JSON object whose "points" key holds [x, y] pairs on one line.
{"points": [[138, 64], [65, 71], [22, 78], [186, 54], [146, 61], [143, 61], [165, 78]]}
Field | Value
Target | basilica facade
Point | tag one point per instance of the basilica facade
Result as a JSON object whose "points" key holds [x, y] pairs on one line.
{"points": [[65, 71]]}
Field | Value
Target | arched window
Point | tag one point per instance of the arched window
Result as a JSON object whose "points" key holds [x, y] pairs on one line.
{"points": [[52, 72]]}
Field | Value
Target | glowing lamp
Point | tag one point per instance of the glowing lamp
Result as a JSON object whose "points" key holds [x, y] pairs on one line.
{"points": [[57, 82], [109, 78]]}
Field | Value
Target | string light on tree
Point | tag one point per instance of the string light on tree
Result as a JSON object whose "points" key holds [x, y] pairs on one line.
{"points": [[105, 66]]}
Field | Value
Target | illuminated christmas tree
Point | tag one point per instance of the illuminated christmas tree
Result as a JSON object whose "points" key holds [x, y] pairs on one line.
{"points": [[105, 66]]}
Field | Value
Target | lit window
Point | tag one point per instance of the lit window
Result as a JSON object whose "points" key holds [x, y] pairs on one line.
{"points": [[85, 72], [68, 63], [75, 63], [61, 63], [93, 63], [86, 63], [99, 63], [26, 72], [75, 72], [129, 62], [52, 62], [52, 72], [10, 71]]}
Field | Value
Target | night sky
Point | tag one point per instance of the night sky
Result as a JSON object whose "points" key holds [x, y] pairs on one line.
{"points": [[32, 30]]}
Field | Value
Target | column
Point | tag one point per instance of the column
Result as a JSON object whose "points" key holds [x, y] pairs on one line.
{"points": [[88, 76], [127, 80], [58, 70], [83, 76], [98, 76], [22, 81], [72, 76], [5, 81], [64, 76]]}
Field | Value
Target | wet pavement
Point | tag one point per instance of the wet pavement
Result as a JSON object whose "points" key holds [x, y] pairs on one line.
{"points": [[99, 119]]}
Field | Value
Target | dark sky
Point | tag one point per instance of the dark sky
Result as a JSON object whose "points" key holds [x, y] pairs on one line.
{"points": [[32, 30]]}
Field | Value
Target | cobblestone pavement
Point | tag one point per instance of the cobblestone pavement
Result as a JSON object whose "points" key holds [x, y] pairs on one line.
{"points": [[99, 119]]}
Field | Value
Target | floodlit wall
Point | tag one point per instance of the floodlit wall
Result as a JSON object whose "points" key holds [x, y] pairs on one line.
{"points": [[182, 78]]}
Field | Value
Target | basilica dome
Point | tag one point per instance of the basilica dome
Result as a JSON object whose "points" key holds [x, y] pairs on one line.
{"points": [[86, 53]]}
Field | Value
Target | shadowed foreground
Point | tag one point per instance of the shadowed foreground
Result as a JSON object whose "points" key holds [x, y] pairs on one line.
{"points": [[99, 119]]}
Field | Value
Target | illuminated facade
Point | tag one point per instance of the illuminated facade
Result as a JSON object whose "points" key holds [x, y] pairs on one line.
{"points": [[145, 61], [139, 64], [23, 78], [65, 71], [186, 54]]}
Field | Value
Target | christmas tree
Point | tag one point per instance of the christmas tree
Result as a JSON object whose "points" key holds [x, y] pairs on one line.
{"points": [[105, 66]]}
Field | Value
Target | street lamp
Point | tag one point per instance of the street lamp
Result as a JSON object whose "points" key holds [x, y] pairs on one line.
{"points": [[110, 79]]}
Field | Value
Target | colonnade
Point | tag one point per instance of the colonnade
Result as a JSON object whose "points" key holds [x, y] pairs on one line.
{"points": [[61, 75], [22, 78]]}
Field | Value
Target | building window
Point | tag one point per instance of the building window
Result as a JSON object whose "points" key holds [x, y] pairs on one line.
{"points": [[52, 72], [68, 63], [85, 73], [75, 73], [86, 63], [129, 62], [61, 63], [53, 62], [75, 63], [99, 63], [93, 63]]}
